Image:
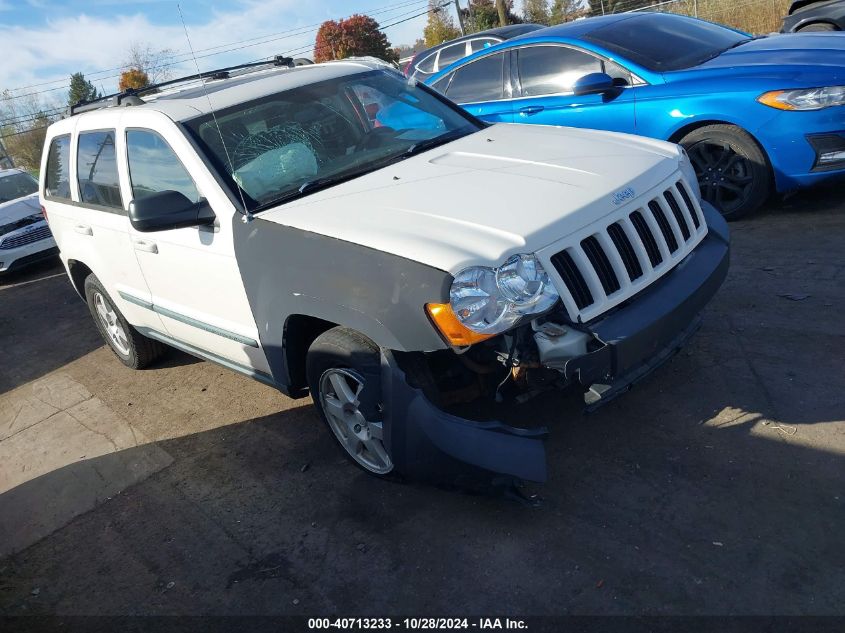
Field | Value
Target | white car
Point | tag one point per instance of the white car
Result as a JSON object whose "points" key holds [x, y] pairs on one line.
{"points": [[341, 231], [25, 237]]}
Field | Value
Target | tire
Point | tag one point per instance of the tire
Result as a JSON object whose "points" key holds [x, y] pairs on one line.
{"points": [[733, 170], [132, 348], [818, 27], [343, 369]]}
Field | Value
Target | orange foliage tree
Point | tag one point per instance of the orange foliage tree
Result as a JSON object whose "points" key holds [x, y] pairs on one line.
{"points": [[358, 35], [134, 79]]}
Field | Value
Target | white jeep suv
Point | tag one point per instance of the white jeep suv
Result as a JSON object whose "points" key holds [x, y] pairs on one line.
{"points": [[339, 230]]}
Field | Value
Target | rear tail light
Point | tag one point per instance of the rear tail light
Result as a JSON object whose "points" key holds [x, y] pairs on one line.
{"points": [[408, 66], [44, 213]]}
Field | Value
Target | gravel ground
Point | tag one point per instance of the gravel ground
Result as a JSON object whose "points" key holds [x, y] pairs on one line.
{"points": [[715, 487]]}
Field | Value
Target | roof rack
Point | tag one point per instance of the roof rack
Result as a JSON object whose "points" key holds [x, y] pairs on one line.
{"points": [[132, 96]]}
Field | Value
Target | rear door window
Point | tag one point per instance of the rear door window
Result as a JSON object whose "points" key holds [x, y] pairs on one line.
{"points": [[57, 179], [154, 167], [482, 43], [96, 170], [545, 70], [451, 54], [481, 80]]}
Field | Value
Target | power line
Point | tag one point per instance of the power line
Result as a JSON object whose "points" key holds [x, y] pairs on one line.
{"points": [[265, 39], [287, 53]]}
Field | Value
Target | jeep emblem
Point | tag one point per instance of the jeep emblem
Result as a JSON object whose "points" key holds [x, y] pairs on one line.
{"points": [[622, 196]]}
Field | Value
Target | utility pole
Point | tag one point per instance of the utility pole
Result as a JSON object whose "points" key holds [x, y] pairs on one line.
{"points": [[460, 17], [503, 12]]}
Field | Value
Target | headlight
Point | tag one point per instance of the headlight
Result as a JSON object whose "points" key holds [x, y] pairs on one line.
{"points": [[808, 99], [690, 177], [492, 300]]}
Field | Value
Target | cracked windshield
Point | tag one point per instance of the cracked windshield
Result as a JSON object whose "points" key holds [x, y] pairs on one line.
{"points": [[294, 142]]}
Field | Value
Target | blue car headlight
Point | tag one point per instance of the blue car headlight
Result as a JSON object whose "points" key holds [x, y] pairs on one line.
{"points": [[805, 99]]}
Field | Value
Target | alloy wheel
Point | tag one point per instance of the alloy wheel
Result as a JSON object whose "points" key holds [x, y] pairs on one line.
{"points": [[724, 176], [111, 325], [362, 438]]}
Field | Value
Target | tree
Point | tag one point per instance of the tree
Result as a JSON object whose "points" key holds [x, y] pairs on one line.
{"points": [[440, 26], [358, 35], [481, 15], [502, 12], [23, 123], [80, 90], [152, 62], [566, 10], [133, 79], [536, 11]]}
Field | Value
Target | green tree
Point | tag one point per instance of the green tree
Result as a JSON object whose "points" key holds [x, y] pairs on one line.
{"points": [[80, 89], [536, 11], [481, 15], [567, 10], [440, 27]]}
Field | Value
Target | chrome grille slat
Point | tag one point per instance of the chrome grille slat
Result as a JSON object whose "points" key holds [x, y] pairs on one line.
{"points": [[606, 264], [590, 276], [673, 223], [615, 258], [684, 224], [16, 241], [686, 210]]}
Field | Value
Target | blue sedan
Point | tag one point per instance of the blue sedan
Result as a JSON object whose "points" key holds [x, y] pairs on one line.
{"points": [[756, 114]]}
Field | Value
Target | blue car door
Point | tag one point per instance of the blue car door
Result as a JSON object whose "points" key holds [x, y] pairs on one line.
{"points": [[480, 87], [543, 76]]}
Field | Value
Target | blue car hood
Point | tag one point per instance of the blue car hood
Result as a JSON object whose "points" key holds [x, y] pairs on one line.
{"points": [[820, 51], [811, 59]]}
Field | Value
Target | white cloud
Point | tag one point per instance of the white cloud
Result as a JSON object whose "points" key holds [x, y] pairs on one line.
{"points": [[86, 43]]}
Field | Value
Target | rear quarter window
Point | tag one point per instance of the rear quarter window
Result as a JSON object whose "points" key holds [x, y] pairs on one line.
{"points": [[57, 178]]}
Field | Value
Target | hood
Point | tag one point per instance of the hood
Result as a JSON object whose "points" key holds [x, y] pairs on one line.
{"points": [[820, 52], [18, 209], [506, 189]]}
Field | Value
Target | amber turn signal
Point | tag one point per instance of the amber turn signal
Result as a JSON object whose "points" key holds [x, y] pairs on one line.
{"points": [[455, 332], [771, 99]]}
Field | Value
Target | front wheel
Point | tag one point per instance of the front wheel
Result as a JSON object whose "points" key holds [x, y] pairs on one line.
{"points": [[130, 346], [343, 369], [732, 170]]}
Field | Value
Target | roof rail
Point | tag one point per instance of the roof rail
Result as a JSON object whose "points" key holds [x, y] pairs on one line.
{"points": [[132, 96]]}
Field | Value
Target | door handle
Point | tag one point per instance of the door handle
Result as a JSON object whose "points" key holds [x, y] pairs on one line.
{"points": [[145, 246], [531, 110], [83, 229]]}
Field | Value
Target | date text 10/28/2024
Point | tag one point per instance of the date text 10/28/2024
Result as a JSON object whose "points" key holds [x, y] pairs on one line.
{"points": [[417, 624]]}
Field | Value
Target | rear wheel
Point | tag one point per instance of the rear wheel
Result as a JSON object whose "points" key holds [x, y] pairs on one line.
{"points": [[818, 27], [132, 348], [343, 369], [732, 169]]}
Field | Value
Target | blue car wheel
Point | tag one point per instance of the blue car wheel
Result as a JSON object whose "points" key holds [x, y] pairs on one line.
{"points": [[733, 172]]}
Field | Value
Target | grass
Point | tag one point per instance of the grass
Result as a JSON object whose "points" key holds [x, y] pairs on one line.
{"points": [[753, 16]]}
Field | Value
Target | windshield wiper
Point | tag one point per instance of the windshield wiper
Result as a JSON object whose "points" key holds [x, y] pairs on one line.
{"points": [[429, 143]]}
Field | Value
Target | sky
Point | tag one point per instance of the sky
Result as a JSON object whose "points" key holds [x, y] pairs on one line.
{"points": [[46, 40]]}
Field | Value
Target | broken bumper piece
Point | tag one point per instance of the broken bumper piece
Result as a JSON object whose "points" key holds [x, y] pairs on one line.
{"points": [[427, 443], [642, 336]]}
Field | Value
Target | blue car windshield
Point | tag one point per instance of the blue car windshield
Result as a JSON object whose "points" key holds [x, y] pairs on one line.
{"points": [[295, 142], [661, 42]]}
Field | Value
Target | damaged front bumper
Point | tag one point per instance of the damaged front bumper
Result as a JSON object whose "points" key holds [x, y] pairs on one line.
{"points": [[425, 442]]}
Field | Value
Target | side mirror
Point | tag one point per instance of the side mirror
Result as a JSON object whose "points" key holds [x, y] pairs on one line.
{"points": [[168, 210], [594, 83]]}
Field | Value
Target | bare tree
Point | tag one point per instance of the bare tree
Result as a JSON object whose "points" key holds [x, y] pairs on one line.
{"points": [[153, 62]]}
